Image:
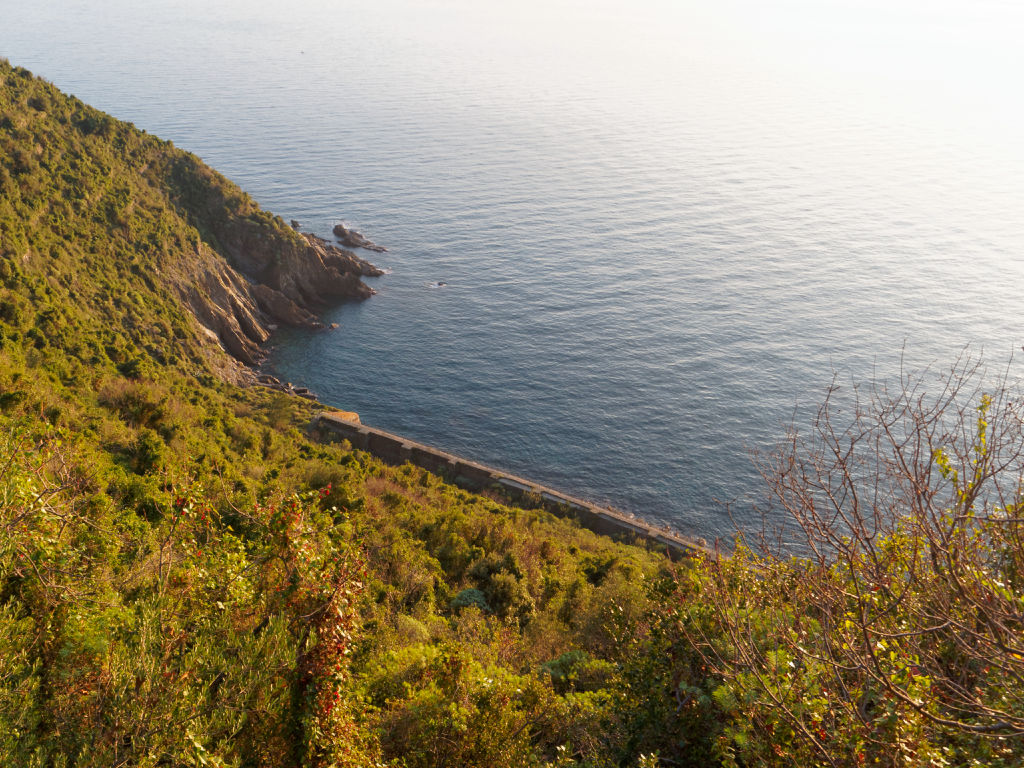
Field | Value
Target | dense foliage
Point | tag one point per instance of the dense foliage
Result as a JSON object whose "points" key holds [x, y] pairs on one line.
{"points": [[898, 638], [186, 576], [189, 577]]}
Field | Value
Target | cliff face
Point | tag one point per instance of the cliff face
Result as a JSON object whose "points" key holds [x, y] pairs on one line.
{"points": [[256, 271], [264, 282], [102, 218]]}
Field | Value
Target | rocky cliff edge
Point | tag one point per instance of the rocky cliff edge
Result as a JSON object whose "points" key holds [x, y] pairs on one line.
{"points": [[253, 271]]}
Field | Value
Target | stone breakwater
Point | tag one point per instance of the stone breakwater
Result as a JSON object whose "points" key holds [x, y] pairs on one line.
{"points": [[478, 477]]}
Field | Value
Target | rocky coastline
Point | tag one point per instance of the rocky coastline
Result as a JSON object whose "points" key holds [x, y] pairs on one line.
{"points": [[267, 282]]}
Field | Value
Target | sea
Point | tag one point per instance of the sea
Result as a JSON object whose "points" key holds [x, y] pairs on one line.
{"points": [[630, 244]]}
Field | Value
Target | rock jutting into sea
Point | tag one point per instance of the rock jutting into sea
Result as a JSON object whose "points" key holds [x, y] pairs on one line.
{"points": [[352, 239], [267, 281]]}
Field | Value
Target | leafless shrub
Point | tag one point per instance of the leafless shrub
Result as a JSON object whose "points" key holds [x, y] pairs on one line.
{"points": [[907, 604]]}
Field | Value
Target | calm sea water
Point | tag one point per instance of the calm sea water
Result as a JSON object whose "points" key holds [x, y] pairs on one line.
{"points": [[663, 226]]}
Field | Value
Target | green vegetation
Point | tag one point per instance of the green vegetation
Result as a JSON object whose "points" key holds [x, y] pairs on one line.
{"points": [[898, 638], [188, 578]]}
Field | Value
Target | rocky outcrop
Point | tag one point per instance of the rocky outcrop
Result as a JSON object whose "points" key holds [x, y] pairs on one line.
{"points": [[272, 382], [253, 270], [318, 274], [352, 239], [240, 307], [221, 301], [279, 307]]}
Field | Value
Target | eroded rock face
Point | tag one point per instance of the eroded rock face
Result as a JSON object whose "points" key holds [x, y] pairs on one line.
{"points": [[303, 279], [279, 307], [319, 274], [252, 270], [221, 301]]}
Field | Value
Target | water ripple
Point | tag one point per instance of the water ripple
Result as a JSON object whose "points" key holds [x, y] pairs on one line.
{"points": [[656, 251]]}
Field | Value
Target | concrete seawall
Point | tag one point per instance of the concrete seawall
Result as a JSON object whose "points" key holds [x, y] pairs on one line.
{"points": [[467, 474]]}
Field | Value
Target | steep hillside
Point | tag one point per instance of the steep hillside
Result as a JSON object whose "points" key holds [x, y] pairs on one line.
{"points": [[189, 578], [186, 577], [99, 220]]}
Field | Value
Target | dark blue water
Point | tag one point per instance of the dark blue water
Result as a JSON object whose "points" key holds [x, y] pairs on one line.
{"points": [[664, 227]]}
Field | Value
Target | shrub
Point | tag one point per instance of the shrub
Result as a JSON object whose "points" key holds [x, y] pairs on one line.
{"points": [[897, 632], [469, 597]]}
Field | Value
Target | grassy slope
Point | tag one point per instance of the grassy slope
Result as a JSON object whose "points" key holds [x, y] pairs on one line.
{"points": [[185, 577]]}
